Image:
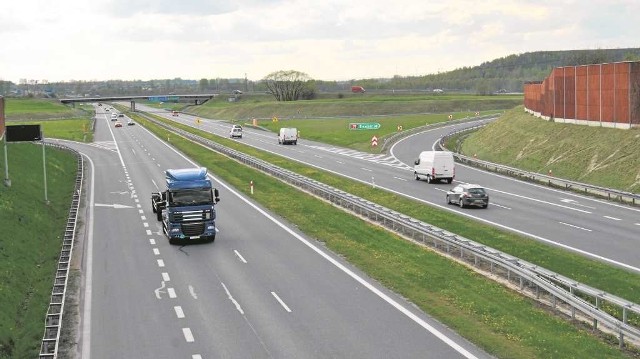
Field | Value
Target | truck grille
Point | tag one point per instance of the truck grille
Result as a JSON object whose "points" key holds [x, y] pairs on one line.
{"points": [[193, 229], [189, 216]]}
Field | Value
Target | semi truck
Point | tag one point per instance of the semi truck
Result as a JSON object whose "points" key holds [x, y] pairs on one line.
{"points": [[186, 207]]}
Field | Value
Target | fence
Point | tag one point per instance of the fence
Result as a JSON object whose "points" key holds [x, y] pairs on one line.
{"points": [[606, 95]]}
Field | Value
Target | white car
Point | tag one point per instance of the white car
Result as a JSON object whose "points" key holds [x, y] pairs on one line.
{"points": [[236, 131]]}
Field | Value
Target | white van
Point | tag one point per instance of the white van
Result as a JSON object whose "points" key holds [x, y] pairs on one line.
{"points": [[288, 135], [236, 131], [435, 166]]}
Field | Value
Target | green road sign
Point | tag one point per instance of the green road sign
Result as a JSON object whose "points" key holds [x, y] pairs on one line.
{"points": [[364, 126]]}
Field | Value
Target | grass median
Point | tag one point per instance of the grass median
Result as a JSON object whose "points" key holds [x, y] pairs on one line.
{"points": [[495, 318]]}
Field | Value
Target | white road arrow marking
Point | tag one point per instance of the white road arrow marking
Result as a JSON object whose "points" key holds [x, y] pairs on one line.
{"points": [[159, 290], [115, 205], [575, 203]]}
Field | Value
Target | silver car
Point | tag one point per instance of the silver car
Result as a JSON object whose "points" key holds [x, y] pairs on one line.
{"points": [[468, 195]]}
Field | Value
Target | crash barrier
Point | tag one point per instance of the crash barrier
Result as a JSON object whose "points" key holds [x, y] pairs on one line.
{"points": [[606, 312], [53, 321], [549, 180]]}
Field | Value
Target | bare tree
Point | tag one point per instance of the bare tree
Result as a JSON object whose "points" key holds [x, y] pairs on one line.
{"points": [[287, 85]]}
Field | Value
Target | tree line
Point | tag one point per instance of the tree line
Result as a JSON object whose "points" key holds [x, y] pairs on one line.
{"points": [[506, 74]]}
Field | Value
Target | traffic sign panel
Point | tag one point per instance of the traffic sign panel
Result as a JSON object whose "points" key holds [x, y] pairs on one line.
{"points": [[364, 126]]}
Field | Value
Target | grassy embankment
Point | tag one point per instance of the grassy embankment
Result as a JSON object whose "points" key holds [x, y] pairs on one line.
{"points": [[601, 156], [33, 230], [501, 321], [310, 117], [30, 242], [55, 119]]}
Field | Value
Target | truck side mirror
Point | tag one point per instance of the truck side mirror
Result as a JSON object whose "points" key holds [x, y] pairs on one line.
{"points": [[417, 162], [216, 195]]}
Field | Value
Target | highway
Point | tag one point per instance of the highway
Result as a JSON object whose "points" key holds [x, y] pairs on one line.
{"points": [[261, 290], [595, 228]]}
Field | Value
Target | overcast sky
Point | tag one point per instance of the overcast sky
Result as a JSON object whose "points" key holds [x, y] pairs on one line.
{"points": [[63, 40]]}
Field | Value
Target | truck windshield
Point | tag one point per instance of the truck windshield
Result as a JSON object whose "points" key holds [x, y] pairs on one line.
{"points": [[190, 197]]}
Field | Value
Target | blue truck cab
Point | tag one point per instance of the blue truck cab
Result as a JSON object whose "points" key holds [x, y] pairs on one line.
{"points": [[187, 207]]}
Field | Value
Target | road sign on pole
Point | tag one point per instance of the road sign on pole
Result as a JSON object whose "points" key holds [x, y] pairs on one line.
{"points": [[364, 126]]}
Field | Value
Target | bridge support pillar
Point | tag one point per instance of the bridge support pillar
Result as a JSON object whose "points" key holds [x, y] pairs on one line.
{"points": [[133, 106]]}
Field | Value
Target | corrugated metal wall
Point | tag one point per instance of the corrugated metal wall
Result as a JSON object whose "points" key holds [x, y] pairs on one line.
{"points": [[601, 94]]}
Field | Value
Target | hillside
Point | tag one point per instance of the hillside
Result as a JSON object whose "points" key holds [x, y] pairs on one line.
{"points": [[506, 73], [601, 156]]}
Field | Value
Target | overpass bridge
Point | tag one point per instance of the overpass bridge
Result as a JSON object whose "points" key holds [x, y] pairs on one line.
{"points": [[197, 99]]}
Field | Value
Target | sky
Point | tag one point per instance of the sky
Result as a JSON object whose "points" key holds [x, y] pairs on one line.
{"points": [[89, 40]]}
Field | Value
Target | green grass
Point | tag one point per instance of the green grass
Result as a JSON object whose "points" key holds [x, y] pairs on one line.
{"points": [[337, 131], [26, 109], [30, 242], [499, 320], [600, 156], [75, 129], [249, 107]]}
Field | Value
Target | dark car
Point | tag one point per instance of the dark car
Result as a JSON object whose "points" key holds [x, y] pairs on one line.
{"points": [[468, 195]]}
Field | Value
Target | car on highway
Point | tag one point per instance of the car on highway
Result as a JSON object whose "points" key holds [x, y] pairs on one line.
{"points": [[174, 113], [118, 124], [468, 194], [114, 116], [236, 131], [130, 123]]}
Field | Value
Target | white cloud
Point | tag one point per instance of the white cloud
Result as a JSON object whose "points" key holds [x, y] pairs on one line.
{"points": [[332, 39]]}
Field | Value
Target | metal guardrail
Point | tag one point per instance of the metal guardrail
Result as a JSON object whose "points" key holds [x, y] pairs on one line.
{"points": [[607, 312], [53, 321], [608, 193]]}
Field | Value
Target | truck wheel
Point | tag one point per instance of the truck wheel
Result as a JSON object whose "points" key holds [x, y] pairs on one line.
{"points": [[159, 215], [449, 180], [461, 203], [417, 177], [429, 180], [153, 209]]}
